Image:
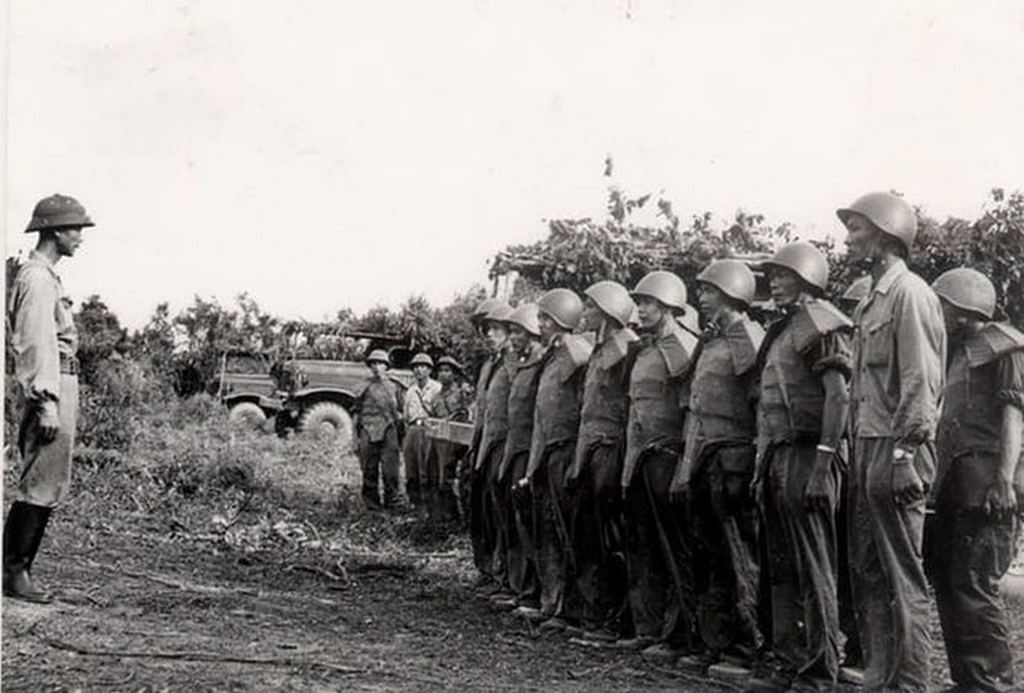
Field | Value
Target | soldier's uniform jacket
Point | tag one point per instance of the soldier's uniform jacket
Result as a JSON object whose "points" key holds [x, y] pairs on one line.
{"points": [[722, 391], [522, 398], [495, 412], [657, 393], [985, 374], [44, 338], [797, 350], [605, 407], [380, 407], [899, 359], [556, 417], [452, 403]]}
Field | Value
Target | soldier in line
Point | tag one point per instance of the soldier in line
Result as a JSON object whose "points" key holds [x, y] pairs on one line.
{"points": [[516, 520], [378, 424], [657, 558], [803, 407], [452, 404], [715, 473], [44, 342], [969, 540], [495, 380], [556, 422], [595, 526], [898, 374], [420, 400]]}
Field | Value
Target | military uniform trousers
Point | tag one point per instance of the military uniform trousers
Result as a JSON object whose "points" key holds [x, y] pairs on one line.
{"points": [[46, 467], [485, 516], [724, 528], [888, 580], [520, 541], [802, 561], [380, 459], [966, 553], [416, 451], [442, 470], [658, 557], [554, 543], [596, 528]]}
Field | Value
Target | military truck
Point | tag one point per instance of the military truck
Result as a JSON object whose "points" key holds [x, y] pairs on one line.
{"points": [[245, 385], [317, 395]]}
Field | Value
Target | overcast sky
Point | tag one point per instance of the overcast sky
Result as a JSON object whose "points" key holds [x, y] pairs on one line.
{"points": [[329, 154]]}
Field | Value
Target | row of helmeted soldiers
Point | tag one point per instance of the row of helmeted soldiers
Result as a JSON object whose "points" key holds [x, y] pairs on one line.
{"points": [[755, 498]]}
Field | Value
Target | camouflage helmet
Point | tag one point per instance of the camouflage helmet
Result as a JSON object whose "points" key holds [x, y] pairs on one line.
{"points": [[613, 300], [450, 362], [891, 214], [732, 277], [806, 261], [378, 356], [664, 287], [483, 308], [857, 289], [968, 290], [58, 212], [422, 359], [499, 313], [525, 317], [563, 306]]}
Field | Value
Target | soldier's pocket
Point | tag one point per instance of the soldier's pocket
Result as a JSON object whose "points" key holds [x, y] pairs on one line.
{"points": [[876, 340]]}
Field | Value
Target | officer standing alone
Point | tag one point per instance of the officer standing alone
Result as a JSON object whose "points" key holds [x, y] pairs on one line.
{"points": [[44, 343]]}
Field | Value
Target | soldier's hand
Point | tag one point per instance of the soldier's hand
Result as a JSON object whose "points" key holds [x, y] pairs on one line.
{"points": [[1000, 499], [521, 486], [49, 422], [678, 491], [819, 494], [907, 487]]}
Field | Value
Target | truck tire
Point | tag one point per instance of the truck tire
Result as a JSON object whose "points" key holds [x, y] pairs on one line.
{"points": [[327, 419], [247, 415]]}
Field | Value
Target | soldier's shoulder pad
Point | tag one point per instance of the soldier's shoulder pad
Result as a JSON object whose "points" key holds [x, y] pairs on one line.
{"points": [[815, 320], [677, 349], [579, 348], [617, 347], [992, 341], [744, 338]]}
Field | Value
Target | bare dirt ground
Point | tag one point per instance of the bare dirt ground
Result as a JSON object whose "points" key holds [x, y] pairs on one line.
{"points": [[241, 591]]}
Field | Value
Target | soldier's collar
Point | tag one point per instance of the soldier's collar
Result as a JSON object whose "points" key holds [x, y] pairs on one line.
{"points": [[37, 258], [885, 282]]}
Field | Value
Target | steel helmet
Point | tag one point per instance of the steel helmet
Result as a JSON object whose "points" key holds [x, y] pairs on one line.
{"points": [[379, 356], [450, 362], [858, 289], [499, 312], [665, 287], [886, 211], [805, 260], [967, 289], [525, 316], [613, 300], [484, 307], [58, 212], [732, 277], [563, 306], [422, 359]]}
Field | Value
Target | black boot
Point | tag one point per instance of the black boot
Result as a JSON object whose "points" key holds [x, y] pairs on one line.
{"points": [[23, 533]]}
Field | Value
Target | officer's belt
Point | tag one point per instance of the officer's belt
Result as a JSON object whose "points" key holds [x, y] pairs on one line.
{"points": [[68, 364]]}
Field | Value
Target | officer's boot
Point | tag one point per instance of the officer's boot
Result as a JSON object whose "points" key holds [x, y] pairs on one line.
{"points": [[23, 533]]}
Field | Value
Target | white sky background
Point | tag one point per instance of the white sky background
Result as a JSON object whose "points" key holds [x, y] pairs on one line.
{"points": [[329, 154]]}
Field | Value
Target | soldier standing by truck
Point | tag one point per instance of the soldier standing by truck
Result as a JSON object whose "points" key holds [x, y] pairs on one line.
{"points": [[378, 423], [714, 475], [969, 540], [802, 416], [596, 525], [658, 567], [420, 400], [898, 374], [44, 342], [556, 420]]}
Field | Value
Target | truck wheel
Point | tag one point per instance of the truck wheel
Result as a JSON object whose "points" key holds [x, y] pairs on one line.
{"points": [[327, 419], [247, 415]]}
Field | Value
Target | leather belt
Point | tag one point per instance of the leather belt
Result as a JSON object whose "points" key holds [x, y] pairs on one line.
{"points": [[68, 365]]}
